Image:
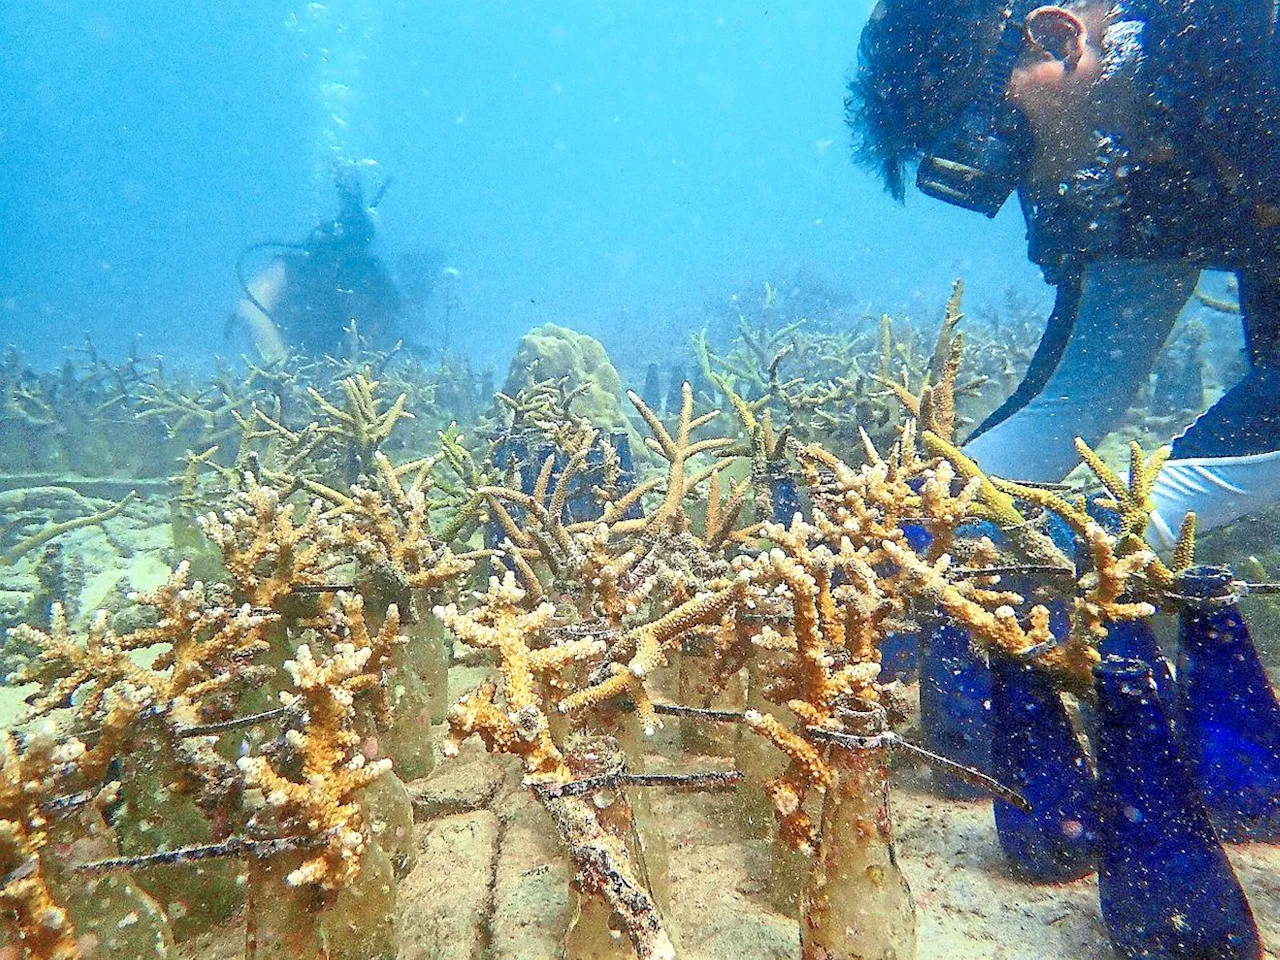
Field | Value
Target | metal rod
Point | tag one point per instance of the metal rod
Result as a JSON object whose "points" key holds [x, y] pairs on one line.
{"points": [[1260, 589], [619, 778], [1036, 651], [1043, 485], [206, 729], [689, 781], [890, 739], [699, 713], [68, 802], [1028, 568], [234, 847]]}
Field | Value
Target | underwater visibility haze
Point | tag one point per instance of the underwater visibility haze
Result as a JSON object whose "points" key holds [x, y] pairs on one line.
{"points": [[584, 481]]}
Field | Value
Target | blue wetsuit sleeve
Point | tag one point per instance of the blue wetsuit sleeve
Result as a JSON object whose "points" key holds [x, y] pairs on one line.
{"points": [[1124, 313]]}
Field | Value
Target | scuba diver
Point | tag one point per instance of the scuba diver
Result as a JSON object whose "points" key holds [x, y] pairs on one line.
{"points": [[1143, 140], [316, 296]]}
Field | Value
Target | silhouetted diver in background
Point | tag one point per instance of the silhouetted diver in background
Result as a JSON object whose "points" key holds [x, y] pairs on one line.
{"points": [[314, 295]]}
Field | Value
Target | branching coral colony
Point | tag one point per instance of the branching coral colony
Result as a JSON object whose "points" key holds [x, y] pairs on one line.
{"points": [[274, 701]]}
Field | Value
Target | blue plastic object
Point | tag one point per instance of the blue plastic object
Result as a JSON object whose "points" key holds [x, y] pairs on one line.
{"points": [[918, 538], [1135, 640], [900, 657], [1227, 715], [626, 471], [784, 497], [581, 504], [1167, 888], [955, 703], [651, 393], [507, 451], [1035, 751]]}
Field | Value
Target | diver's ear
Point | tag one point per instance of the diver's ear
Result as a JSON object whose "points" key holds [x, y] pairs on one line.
{"points": [[1057, 32]]}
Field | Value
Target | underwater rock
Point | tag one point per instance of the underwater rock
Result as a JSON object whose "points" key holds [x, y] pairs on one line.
{"points": [[561, 352], [459, 787], [451, 889], [469, 784]]}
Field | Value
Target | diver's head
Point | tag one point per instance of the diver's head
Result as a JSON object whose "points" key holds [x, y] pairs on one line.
{"points": [[919, 66], [354, 223], [971, 88]]}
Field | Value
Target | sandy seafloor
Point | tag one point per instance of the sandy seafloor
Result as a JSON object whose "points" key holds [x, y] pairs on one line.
{"points": [[491, 882]]}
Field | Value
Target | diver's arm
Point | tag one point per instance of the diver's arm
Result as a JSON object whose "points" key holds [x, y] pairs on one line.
{"points": [[1123, 314], [1048, 354], [1226, 465]]}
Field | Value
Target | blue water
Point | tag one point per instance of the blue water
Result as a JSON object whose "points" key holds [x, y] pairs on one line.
{"points": [[622, 168]]}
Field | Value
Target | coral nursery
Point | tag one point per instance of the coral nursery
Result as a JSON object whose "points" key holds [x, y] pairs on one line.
{"points": [[400, 664]]}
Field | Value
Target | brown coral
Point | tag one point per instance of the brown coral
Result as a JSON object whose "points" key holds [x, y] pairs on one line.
{"points": [[27, 780], [321, 803], [510, 716]]}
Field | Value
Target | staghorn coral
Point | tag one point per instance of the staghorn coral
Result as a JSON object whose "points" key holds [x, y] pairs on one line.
{"points": [[1116, 566], [319, 856], [677, 451], [29, 778], [387, 527], [934, 406], [643, 649], [832, 381], [584, 615], [834, 661], [206, 640], [200, 649], [518, 725], [266, 550], [510, 716], [830, 634], [361, 425], [53, 530], [322, 802], [542, 408]]}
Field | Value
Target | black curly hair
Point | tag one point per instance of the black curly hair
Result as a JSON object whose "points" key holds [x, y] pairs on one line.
{"points": [[919, 62]]}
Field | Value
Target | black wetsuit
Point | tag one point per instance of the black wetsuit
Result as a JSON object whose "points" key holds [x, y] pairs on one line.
{"points": [[335, 281], [1197, 181]]}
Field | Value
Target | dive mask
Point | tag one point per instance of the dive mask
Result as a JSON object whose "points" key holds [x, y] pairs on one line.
{"points": [[977, 161]]}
